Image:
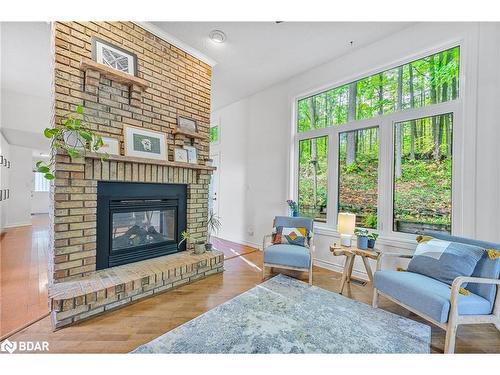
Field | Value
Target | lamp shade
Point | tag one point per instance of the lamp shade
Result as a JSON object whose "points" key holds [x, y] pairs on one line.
{"points": [[346, 223]]}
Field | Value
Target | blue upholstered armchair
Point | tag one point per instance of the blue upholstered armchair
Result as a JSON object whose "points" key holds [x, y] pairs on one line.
{"points": [[436, 302], [292, 257]]}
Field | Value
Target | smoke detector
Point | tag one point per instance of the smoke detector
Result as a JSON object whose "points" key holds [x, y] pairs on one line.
{"points": [[217, 36]]}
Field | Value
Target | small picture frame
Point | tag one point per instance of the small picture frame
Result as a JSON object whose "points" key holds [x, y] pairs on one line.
{"points": [[192, 154], [187, 124], [145, 143], [180, 155], [111, 146], [116, 57]]}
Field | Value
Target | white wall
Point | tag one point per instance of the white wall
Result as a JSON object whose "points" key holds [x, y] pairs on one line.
{"points": [[267, 117], [4, 181], [232, 147], [20, 182]]}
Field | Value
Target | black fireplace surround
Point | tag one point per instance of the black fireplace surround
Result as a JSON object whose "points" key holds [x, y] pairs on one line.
{"points": [[137, 221]]}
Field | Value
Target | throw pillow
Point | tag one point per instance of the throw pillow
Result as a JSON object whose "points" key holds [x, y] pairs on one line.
{"points": [[291, 236], [444, 260]]}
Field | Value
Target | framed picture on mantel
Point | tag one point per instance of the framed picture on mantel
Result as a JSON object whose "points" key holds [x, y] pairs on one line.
{"points": [[145, 143]]}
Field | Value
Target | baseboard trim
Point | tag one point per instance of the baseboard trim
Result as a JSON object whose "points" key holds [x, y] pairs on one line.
{"points": [[16, 225], [241, 242], [336, 268]]}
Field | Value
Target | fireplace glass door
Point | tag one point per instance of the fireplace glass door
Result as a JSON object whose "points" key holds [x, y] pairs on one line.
{"points": [[142, 228]]}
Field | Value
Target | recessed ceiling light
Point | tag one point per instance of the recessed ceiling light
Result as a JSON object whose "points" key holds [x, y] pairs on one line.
{"points": [[217, 36]]}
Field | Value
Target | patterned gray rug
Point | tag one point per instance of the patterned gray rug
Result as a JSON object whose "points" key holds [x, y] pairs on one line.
{"points": [[284, 315]]}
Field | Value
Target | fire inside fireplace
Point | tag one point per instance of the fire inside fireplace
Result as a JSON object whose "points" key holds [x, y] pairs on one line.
{"points": [[137, 221]]}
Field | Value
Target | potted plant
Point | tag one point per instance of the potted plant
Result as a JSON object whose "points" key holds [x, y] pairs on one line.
{"points": [[213, 227], [362, 238], [74, 136], [293, 208], [372, 237], [186, 237], [199, 247]]}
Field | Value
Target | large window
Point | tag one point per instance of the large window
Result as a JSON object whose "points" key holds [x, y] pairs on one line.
{"points": [[431, 80], [381, 147], [358, 175], [422, 174], [313, 154]]}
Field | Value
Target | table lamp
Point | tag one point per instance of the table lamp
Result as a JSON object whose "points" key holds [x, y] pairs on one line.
{"points": [[345, 226]]}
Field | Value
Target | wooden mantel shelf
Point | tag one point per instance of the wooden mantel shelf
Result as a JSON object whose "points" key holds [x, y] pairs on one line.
{"points": [[113, 74], [188, 134], [129, 159]]}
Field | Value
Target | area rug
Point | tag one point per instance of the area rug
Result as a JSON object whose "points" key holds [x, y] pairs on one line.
{"points": [[284, 315]]}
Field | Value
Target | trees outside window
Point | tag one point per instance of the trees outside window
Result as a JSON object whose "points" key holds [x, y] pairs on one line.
{"points": [[358, 180], [313, 179], [355, 120], [422, 190]]}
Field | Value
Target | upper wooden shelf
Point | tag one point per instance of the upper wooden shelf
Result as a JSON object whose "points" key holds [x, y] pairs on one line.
{"points": [[113, 74], [131, 159], [187, 133]]}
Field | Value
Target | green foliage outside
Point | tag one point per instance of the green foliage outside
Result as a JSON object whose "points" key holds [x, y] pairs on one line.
{"points": [[423, 147], [214, 134]]}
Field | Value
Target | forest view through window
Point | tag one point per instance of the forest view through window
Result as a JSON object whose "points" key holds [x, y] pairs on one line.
{"points": [[422, 174], [397, 108], [358, 175], [313, 155]]}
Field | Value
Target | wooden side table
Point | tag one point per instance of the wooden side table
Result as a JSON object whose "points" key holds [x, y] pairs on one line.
{"points": [[350, 254]]}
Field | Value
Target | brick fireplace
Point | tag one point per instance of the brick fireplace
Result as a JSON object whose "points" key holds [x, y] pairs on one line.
{"points": [[168, 83]]}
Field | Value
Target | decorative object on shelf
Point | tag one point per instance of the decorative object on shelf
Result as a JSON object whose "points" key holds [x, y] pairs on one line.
{"points": [[4, 162], [8, 193], [345, 226], [72, 136], [8, 164], [372, 238], [186, 124], [111, 55], [192, 154], [180, 155], [1, 160], [145, 143], [362, 238], [293, 208], [111, 145], [213, 227]]}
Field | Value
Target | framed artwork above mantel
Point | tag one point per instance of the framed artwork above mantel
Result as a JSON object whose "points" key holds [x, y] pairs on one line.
{"points": [[144, 143], [106, 53]]}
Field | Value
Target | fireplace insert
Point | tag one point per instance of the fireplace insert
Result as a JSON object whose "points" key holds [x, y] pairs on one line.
{"points": [[137, 221]]}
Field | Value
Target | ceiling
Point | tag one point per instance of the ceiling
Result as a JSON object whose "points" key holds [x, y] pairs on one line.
{"points": [[257, 55]]}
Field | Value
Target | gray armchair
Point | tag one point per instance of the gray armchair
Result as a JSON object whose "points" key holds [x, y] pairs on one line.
{"points": [[286, 256], [434, 301]]}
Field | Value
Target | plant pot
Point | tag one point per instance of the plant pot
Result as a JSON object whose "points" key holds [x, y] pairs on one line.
{"points": [[199, 248], [371, 243], [362, 242], [208, 247]]}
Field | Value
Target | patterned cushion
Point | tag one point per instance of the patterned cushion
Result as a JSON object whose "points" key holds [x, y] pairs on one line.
{"points": [[444, 260], [291, 236]]}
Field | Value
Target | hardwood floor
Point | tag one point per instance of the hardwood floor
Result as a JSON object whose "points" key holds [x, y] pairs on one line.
{"points": [[23, 270], [123, 330]]}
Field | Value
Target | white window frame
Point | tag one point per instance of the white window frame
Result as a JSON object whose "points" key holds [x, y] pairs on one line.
{"points": [[385, 124]]}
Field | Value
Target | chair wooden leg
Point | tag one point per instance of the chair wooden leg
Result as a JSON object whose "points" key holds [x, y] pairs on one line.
{"points": [[451, 333], [375, 298]]}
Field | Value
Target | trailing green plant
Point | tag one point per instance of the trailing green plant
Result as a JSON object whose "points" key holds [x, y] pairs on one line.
{"points": [[74, 136], [213, 224]]}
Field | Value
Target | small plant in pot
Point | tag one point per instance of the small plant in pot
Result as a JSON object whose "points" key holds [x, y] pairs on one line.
{"points": [[199, 247], [213, 227], [362, 238], [186, 237], [372, 237]]}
